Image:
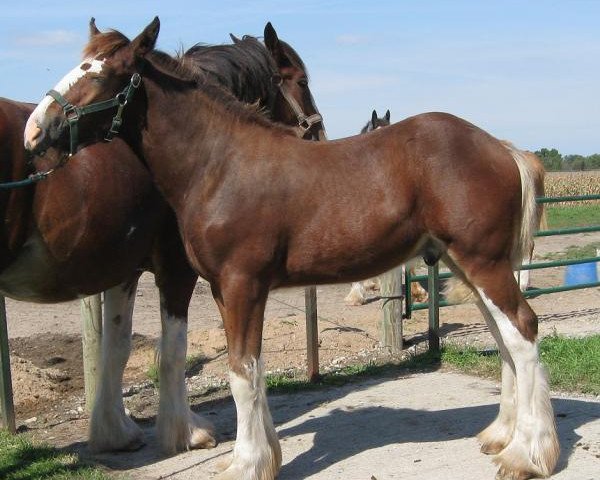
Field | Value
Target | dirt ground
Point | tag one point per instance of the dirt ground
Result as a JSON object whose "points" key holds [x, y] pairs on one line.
{"points": [[45, 342]]}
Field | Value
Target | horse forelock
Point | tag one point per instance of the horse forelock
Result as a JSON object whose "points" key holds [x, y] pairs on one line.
{"points": [[105, 44]]}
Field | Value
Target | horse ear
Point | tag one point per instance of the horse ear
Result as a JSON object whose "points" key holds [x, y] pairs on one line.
{"points": [[93, 29], [374, 118], [271, 39], [234, 39], [387, 115], [145, 41]]}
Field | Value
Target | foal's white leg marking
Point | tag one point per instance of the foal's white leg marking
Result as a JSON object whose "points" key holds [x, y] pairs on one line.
{"points": [[257, 454], [499, 433], [110, 427], [62, 87], [534, 446], [357, 295], [178, 427]]}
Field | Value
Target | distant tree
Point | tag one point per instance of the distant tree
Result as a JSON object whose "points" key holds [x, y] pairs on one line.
{"points": [[574, 162], [593, 161], [551, 158]]}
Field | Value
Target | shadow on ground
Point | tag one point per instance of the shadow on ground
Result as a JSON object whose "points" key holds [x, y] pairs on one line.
{"points": [[341, 433]]}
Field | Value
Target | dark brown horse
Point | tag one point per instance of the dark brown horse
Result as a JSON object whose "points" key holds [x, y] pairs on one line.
{"points": [[258, 208], [98, 221]]}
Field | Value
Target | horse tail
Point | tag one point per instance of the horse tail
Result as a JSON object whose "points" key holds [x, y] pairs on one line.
{"points": [[533, 216], [531, 172]]}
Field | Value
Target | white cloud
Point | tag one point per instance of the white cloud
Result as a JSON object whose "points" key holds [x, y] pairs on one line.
{"points": [[48, 39]]}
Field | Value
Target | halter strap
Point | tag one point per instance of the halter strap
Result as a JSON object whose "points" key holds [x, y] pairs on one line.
{"points": [[73, 113], [305, 122]]}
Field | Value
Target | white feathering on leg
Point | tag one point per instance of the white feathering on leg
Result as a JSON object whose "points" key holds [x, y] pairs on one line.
{"points": [[257, 454]]}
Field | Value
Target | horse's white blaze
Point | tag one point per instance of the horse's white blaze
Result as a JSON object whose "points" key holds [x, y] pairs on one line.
{"points": [[257, 454], [534, 444], [178, 427], [111, 428], [62, 87]]}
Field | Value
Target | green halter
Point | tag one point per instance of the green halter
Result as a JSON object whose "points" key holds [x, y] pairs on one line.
{"points": [[74, 113]]}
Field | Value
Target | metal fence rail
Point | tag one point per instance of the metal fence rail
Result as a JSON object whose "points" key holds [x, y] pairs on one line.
{"points": [[434, 293]]}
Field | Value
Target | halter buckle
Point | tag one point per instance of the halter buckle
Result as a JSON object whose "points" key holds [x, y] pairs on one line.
{"points": [[71, 113], [136, 80]]}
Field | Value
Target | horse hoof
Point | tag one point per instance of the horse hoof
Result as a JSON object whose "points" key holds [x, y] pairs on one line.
{"points": [[136, 442], [135, 445], [492, 448], [201, 438], [118, 435], [506, 474]]}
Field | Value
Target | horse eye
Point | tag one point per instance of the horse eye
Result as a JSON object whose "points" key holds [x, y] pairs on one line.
{"points": [[303, 82], [97, 79]]}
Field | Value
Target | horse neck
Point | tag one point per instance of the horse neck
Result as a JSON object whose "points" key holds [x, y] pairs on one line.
{"points": [[180, 142]]}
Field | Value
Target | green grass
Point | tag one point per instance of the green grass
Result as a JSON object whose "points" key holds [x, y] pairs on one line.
{"points": [[21, 459], [294, 381], [574, 252], [576, 215], [470, 360], [573, 363]]}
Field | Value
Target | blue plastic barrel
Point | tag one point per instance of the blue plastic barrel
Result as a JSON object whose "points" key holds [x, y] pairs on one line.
{"points": [[581, 273]]}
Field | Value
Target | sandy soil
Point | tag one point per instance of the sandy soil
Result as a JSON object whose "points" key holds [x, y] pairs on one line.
{"points": [[45, 341]]}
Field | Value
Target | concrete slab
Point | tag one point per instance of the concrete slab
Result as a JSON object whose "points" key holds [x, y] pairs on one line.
{"points": [[414, 427]]}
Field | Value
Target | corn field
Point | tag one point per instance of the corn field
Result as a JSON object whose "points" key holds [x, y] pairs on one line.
{"points": [[560, 184]]}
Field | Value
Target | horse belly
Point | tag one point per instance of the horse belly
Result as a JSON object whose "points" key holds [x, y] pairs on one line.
{"points": [[33, 275], [343, 256]]}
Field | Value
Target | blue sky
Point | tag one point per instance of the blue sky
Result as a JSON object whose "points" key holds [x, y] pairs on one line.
{"points": [[527, 71]]}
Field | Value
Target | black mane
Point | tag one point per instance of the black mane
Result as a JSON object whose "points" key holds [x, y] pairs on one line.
{"points": [[175, 74], [244, 68]]}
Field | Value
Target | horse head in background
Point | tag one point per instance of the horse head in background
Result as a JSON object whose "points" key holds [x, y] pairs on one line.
{"points": [[242, 68], [376, 122]]}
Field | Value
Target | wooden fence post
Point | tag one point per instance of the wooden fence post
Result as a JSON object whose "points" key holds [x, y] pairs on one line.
{"points": [[391, 321], [91, 313], [6, 394], [312, 333]]}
